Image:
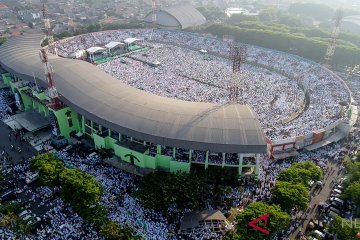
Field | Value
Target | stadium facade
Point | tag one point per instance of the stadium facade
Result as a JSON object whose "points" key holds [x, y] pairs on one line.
{"points": [[130, 122]]}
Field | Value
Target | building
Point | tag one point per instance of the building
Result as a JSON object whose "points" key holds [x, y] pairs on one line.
{"points": [[208, 220], [177, 17], [140, 128]]}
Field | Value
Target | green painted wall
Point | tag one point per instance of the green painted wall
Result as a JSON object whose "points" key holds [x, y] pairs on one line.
{"points": [[179, 166], [6, 79], [27, 100], [99, 141], [163, 161], [149, 162], [64, 127], [109, 143]]}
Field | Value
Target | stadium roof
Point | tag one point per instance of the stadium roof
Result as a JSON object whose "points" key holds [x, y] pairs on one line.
{"points": [[111, 103], [185, 15]]}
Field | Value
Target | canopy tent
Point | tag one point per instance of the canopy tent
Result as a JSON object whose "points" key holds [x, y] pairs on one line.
{"points": [[31, 120], [94, 50], [131, 40], [78, 54], [112, 45], [12, 123]]}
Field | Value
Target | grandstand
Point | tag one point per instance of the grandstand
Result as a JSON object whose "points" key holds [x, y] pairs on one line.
{"points": [[167, 107], [160, 133]]}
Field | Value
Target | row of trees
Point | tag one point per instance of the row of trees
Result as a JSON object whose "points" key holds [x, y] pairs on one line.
{"points": [[352, 184], [291, 189], [79, 189], [308, 47]]}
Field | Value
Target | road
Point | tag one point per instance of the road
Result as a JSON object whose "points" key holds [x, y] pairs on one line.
{"points": [[6, 142], [319, 196]]}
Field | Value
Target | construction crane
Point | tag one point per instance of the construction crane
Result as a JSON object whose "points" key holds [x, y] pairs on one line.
{"points": [[52, 92], [48, 29], [237, 56], [330, 51]]}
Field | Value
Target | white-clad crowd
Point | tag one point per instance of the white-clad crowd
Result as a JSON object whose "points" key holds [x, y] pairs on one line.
{"points": [[272, 83]]}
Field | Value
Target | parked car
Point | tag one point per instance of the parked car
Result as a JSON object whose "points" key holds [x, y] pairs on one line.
{"points": [[338, 191], [338, 200], [24, 213], [31, 178], [8, 196]]}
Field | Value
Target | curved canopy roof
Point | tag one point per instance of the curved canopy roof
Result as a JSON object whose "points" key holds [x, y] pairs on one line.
{"points": [[112, 45], [111, 103], [186, 15]]}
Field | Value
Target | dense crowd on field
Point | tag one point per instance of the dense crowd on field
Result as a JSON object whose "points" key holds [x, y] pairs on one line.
{"points": [[274, 84]]}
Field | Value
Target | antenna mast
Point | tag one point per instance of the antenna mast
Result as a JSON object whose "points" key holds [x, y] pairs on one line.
{"points": [[49, 32], [330, 51], [53, 94]]}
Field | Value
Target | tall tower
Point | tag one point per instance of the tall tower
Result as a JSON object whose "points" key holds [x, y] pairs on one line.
{"points": [[334, 36], [237, 56], [48, 29], [53, 94], [153, 17]]}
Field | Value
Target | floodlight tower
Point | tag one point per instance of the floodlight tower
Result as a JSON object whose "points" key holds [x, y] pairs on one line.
{"points": [[53, 94], [49, 32], [237, 56], [153, 17], [334, 36]]}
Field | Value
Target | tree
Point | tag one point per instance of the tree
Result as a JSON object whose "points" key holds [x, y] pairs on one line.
{"points": [[239, 17], [2, 40], [342, 231], [49, 168], [277, 221], [79, 188], [112, 231], [161, 190], [290, 196], [301, 173], [95, 215], [352, 192]]}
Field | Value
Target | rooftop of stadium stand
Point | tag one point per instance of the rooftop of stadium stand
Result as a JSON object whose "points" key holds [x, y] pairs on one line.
{"points": [[103, 99]]}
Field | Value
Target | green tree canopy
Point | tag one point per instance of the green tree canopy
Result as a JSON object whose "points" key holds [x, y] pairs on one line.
{"points": [[3, 40], [301, 173], [342, 231], [160, 190], [112, 231], [277, 221], [290, 196], [49, 168], [352, 192], [79, 188]]}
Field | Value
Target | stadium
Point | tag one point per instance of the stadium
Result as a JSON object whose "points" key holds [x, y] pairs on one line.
{"points": [[158, 99]]}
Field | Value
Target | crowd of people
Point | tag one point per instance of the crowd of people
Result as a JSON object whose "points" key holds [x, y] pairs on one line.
{"points": [[274, 84]]}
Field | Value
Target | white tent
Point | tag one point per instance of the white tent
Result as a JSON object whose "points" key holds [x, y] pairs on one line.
{"points": [[112, 45], [131, 40], [94, 50]]}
